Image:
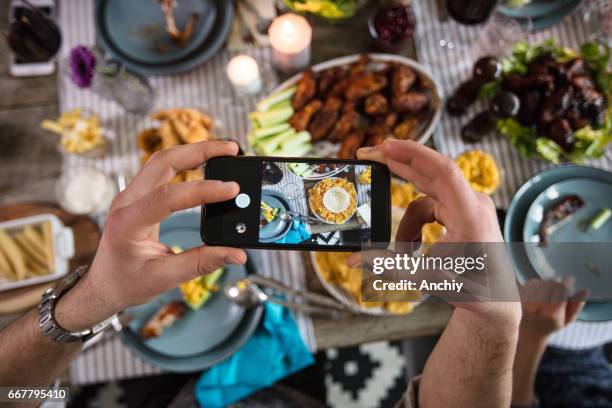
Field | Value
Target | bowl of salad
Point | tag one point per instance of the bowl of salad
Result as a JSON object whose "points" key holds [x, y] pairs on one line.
{"points": [[549, 101]]}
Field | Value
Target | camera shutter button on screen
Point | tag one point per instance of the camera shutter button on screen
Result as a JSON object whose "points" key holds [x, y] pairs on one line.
{"points": [[243, 200]]}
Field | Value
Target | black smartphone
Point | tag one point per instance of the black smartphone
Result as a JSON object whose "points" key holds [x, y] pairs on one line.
{"points": [[299, 203]]}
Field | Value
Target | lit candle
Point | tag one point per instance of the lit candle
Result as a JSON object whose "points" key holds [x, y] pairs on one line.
{"points": [[290, 36], [243, 73]]}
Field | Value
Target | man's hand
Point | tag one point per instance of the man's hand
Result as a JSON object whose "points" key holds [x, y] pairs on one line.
{"points": [[472, 363], [549, 306], [131, 265], [468, 216]]}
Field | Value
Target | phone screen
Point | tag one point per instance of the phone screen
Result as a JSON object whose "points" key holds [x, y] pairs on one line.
{"points": [[305, 203]]}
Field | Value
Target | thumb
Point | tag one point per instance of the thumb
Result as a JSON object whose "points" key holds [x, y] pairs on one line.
{"points": [[197, 262], [418, 213], [575, 305]]}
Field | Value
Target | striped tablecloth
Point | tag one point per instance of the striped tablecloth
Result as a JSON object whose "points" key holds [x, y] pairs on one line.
{"points": [[205, 88], [453, 65]]}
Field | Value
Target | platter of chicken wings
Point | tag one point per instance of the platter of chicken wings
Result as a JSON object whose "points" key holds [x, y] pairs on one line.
{"points": [[340, 105]]}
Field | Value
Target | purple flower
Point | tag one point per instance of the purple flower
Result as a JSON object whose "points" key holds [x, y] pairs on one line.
{"points": [[82, 66]]}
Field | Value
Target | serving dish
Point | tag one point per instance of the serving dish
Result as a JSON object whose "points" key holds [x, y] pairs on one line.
{"points": [[426, 120], [63, 248]]}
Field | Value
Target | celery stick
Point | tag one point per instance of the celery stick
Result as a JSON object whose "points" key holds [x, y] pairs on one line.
{"points": [[284, 104], [272, 117], [266, 103], [296, 151], [298, 139], [600, 219], [271, 130], [269, 144]]}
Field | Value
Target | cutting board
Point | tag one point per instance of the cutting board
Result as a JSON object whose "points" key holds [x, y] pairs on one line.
{"points": [[86, 239]]}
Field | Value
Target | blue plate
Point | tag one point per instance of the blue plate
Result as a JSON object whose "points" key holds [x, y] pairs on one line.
{"points": [[203, 337], [572, 249], [133, 32], [535, 9], [275, 230], [515, 222], [548, 20]]}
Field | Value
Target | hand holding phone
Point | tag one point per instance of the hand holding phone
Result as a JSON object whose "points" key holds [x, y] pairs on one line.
{"points": [[297, 203]]}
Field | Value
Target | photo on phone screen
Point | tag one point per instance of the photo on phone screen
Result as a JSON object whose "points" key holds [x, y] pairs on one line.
{"points": [[293, 203], [315, 204]]}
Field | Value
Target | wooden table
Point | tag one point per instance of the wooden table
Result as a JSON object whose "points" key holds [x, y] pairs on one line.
{"points": [[30, 164]]}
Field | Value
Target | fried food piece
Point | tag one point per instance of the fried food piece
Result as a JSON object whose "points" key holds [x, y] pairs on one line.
{"points": [[306, 89], [405, 129], [402, 79], [347, 122], [326, 80], [364, 85], [348, 106], [350, 144], [339, 87], [411, 102], [300, 120], [376, 104], [376, 134], [325, 119], [360, 65], [163, 319], [389, 120], [149, 140], [168, 134], [13, 255]]}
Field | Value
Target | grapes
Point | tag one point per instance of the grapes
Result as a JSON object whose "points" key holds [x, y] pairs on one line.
{"points": [[487, 69], [481, 125], [505, 104]]}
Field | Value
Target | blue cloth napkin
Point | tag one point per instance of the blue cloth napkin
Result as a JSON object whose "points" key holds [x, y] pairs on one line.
{"points": [[276, 350], [296, 234]]}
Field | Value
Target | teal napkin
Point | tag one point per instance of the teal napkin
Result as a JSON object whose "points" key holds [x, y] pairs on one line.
{"points": [[296, 234], [275, 351]]}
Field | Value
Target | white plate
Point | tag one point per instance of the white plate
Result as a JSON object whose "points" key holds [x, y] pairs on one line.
{"points": [[63, 248], [423, 72]]}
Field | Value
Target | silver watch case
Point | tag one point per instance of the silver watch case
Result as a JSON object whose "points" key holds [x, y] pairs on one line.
{"points": [[46, 308]]}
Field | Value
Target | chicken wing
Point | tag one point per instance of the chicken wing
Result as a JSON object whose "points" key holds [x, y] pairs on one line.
{"points": [[364, 85], [300, 120], [325, 119], [347, 122], [405, 129], [351, 143], [376, 104], [306, 89], [411, 102], [402, 80]]}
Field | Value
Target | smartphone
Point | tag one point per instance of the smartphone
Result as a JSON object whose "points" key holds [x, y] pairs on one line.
{"points": [[17, 66], [299, 203]]}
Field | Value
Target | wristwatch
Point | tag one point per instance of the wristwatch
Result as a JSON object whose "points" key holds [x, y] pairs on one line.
{"points": [[46, 309]]}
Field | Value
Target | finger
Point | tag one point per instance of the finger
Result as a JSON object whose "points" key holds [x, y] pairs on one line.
{"points": [[164, 165], [168, 198], [422, 183], [418, 213], [575, 305], [197, 262], [371, 153]]}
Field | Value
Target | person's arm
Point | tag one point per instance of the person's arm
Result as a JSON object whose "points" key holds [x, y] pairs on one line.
{"points": [[547, 308], [131, 266], [471, 365]]}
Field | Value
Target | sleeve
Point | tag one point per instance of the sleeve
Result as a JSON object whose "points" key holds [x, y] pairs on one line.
{"points": [[411, 397]]}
